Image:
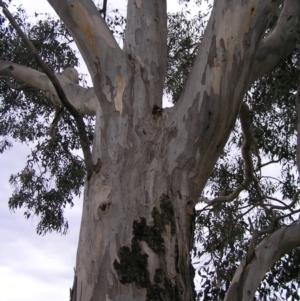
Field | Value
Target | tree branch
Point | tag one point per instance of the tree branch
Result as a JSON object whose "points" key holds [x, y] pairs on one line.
{"points": [[82, 99], [249, 146], [19, 87], [270, 162], [146, 41], [92, 36], [210, 102], [103, 9], [280, 42], [284, 207], [84, 141], [249, 274]]}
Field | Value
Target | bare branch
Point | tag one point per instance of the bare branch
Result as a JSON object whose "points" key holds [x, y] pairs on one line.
{"points": [[57, 116], [217, 83], [249, 146], [294, 201], [275, 200], [287, 215], [103, 9], [270, 162], [280, 42], [16, 86]]}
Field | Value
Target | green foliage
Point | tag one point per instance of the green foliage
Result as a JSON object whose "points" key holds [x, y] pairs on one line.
{"points": [[184, 35], [44, 186]]}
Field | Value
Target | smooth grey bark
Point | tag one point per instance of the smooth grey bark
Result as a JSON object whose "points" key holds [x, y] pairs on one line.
{"points": [[138, 211]]}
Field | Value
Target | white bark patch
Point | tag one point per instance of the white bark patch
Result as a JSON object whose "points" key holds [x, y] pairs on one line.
{"points": [[153, 260], [107, 298], [216, 82], [148, 21], [138, 3], [119, 97]]}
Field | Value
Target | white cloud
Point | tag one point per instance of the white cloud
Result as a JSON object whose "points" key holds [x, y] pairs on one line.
{"points": [[33, 267]]}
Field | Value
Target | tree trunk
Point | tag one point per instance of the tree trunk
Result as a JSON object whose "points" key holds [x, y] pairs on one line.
{"points": [[137, 228], [138, 212]]}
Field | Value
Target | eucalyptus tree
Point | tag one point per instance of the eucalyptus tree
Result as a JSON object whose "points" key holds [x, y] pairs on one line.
{"points": [[147, 166]]}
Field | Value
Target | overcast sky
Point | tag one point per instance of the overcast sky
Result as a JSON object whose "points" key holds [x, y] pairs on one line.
{"points": [[32, 267]]}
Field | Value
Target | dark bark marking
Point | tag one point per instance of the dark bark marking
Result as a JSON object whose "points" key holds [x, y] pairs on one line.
{"points": [[212, 53], [103, 208], [151, 235], [154, 70], [133, 264], [162, 289], [111, 89], [166, 217], [172, 133], [203, 78], [157, 111]]}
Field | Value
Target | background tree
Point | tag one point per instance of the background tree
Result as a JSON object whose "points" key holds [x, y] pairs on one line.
{"points": [[175, 150]]}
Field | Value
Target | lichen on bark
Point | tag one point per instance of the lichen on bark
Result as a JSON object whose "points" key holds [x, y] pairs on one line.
{"points": [[133, 262]]}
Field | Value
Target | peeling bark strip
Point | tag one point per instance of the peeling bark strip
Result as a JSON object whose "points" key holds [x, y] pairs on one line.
{"points": [[133, 262]]}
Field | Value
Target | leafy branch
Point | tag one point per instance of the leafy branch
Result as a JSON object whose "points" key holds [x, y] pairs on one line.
{"points": [[84, 141]]}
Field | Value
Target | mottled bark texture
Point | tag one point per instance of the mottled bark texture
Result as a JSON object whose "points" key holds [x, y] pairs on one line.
{"points": [[138, 211]]}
